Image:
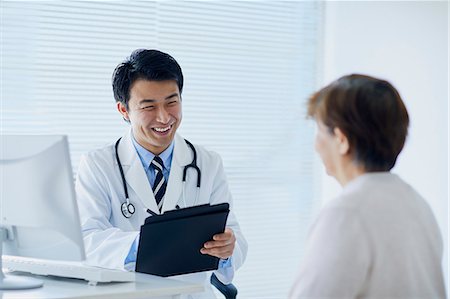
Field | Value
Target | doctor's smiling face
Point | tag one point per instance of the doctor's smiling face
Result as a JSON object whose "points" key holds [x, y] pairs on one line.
{"points": [[154, 112], [147, 87]]}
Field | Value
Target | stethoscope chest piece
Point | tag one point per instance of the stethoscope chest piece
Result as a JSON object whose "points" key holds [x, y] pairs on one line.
{"points": [[127, 209]]}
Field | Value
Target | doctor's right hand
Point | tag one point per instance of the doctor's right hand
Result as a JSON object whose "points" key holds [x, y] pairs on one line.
{"points": [[221, 246]]}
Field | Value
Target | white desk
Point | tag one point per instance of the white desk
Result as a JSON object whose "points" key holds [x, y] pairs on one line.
{"points": [[146, 286]]}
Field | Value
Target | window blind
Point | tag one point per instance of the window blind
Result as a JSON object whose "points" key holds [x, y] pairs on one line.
{"points": [[248, 67]]}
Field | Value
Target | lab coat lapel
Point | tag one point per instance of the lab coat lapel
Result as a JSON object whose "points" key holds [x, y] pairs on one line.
{"points": [[135, 174], [181, 157]]}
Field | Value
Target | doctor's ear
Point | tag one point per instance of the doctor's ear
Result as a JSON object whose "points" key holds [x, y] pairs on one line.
{"points": [[342, 141], [123, 110]]}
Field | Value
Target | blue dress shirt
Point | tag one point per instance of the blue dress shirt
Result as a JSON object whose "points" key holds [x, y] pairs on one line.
{"points": [[146, 158]]}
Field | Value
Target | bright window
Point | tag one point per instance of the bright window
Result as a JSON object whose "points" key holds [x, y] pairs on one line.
{"points": [[248, 66]]}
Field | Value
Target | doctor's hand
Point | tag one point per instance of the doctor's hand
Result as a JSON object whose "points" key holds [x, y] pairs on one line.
{"points": [[221, 246]]}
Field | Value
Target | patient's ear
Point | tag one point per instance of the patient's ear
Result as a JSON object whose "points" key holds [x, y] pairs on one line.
{"points": [[342, 142]]}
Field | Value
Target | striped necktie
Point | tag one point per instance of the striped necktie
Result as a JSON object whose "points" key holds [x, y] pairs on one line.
{"points": [[159, 186]]}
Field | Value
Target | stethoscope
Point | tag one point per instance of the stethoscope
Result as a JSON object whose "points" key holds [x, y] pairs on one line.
{"points": [[128, 208]]}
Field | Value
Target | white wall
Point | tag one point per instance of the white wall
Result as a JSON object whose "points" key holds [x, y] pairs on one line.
{"points": [[407, 44]]}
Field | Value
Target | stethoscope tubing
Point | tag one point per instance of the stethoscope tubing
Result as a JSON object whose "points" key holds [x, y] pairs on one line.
{"points": [[128, 208]]}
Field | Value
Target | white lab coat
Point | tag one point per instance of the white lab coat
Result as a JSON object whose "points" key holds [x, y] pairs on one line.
{"points": [[378, 239], [108, 235]]}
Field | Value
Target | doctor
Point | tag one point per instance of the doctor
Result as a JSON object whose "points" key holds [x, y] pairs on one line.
{"points": [[141, 174]]}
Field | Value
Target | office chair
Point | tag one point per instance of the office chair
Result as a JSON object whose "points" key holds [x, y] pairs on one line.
{"points": [[228, 290]]}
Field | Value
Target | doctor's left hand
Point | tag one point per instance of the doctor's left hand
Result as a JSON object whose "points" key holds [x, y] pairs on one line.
{"points": [[221, 246]]}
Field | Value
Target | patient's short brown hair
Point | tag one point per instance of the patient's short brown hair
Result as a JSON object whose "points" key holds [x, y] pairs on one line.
{"points": [[370, 112]]}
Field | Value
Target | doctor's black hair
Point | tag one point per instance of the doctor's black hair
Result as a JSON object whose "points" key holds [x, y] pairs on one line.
{"points": [[152, 65]]}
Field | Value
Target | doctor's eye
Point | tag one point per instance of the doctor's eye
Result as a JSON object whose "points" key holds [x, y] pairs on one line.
{"points": [[147, 108]]}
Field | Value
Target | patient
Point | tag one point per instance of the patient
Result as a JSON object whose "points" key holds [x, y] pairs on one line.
{"points": [[378, 238]]}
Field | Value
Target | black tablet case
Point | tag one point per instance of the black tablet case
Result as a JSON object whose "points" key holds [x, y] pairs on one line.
{"points": [[170, 243]]}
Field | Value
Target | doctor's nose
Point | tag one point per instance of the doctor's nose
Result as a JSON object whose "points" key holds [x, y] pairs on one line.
{"points": [[162, 116]]}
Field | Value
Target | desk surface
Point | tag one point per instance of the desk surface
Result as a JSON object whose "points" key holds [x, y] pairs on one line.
{"points": [[145, 286]]}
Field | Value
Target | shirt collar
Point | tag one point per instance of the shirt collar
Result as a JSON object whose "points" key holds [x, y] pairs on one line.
{"points": [[146, 156]]}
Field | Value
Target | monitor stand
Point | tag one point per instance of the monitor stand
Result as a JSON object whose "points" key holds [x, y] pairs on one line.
{"points": [[10, 282]]}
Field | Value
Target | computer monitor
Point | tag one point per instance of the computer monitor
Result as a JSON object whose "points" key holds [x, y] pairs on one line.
{"points": [[38, 210]]}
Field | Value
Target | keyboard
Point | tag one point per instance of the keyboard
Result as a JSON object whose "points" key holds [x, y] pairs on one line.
{"points": [[78, 270]]}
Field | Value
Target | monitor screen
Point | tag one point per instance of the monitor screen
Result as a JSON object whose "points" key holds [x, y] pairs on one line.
{"points": [[38, 208]]}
